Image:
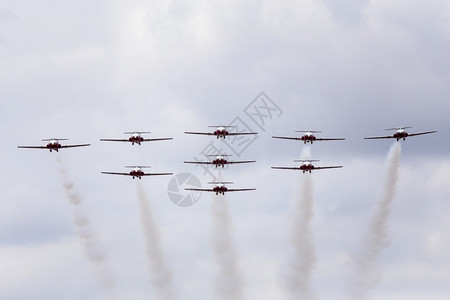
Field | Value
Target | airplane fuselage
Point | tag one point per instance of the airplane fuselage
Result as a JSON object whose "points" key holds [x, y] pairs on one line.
{"points": [[220, 133], [400, 134], [219, 162], [308, 138], [136, 139], [220, 189], [53, 146], [137, 173], [307, 168]]}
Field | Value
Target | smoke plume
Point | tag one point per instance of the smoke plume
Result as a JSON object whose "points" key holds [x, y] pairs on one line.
{"points": [[161, 277], [89, 242], [228, 283], [302, 261], [375, 239]]}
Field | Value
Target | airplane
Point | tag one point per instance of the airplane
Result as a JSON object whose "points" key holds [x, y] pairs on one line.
{"points": [[219, 160], [306, 166], [219, 188], [308, 137], [135, 137], [221, 132], [400, 133], [53, 144], [137, 172]]}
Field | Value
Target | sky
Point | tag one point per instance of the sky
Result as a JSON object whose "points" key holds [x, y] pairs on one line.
{"points": [[89, 70]]}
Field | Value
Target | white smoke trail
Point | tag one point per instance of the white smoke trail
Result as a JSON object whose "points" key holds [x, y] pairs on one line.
{"points": [[375, 239], [160, 274], [93, 251], [302, 262], [228, 282]]}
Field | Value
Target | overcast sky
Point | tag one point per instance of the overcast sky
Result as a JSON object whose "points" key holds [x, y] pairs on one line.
{"points": [[87, 70]]}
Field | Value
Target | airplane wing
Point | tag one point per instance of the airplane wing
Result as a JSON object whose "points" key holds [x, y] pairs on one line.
{"points": [[286, 138], [73, 146], [114, 140], [317, 139], [287, 168], [420, 133], [239, 190], [114, 173], [241, 133], [156, 174], [379, 137], [201, 190], [332, 167], [202, 133], [158, 139], [33, 147], [330, 139], [199, 162], [210, 190], [241, 162]]}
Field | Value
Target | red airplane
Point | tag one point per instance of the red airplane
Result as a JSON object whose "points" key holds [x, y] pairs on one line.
{"points": [[308, 137], [400, 133], [221, 132], [306, 166], [220, 188], [137, 172], [53, 144], [135, 137], [219, 160]]}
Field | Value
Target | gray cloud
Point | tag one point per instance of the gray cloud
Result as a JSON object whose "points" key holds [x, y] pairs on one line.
{"points": [[6, 14], [91, 70]]}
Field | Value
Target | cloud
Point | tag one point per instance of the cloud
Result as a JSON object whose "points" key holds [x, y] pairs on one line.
{"points": [[6, 15], [91, 70]]}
